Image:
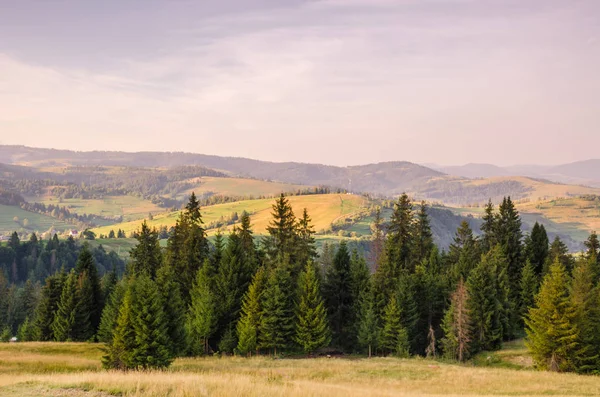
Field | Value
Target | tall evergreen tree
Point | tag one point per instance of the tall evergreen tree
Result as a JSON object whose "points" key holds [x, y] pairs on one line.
{"points": [[378, 243], [64, 326], [585, 298], [110, 314], [537, 248], [277, 321], [393, 337], [509, 237], [89, 306], [457, 325], [146, 256], [202, 315], [463, 253], [46, 310], [423, 238], [307, 251], [151, 349], [120, 348], [558, 249], [338, 297], [282, 231], [399, 240], [529, 288], [312, 328], [174, 308], [489, 228], [368, 324], [249, 324], [552, 333]]}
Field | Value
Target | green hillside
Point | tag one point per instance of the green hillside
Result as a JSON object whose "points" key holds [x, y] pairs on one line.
{"points": [[13, 218]]}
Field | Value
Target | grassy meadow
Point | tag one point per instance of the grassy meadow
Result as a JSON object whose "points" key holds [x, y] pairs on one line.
{"points": [[35, 222], [73, 369], [324, 209], [237, 187]]}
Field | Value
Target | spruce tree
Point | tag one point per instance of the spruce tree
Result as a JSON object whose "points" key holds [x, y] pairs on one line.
{"points": [[174, 309], [89, 306], [378, 239], [489, 228], [119, 349], [277, 321], [585, 298], [249, 324], [463, 253], [552, 333], [110, 314], [50, 298], [484, 306], [368, 324], [558, 249], [393, 337], [202, 316], [537, 248], [146, 256], [509, 237], [529, 288], [312, 328], [457, 325], [338, 297], [399, 239], [307, 251], [64, 326], [423, 238], [149, 323], [282, 231]]}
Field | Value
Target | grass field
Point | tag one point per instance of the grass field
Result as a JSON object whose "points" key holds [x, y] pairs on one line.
{"points": [[130, 207], [322, 208], [73, 369], [35, 222], [237, 187]]}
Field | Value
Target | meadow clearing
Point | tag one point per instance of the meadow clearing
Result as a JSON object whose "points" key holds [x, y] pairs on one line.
{"points": [[73, 369]]}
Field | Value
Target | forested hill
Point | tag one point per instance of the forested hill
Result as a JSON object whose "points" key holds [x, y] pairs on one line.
{"points": [[384, 178]]}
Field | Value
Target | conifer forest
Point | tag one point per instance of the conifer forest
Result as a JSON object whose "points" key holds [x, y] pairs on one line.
{"points": [[280, 296]]}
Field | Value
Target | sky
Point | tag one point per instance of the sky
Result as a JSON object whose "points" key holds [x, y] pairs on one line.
{"points": [[340, 82]]}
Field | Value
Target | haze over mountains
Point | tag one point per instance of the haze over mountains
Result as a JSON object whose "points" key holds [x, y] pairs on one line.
{"points": [[467, 184]]}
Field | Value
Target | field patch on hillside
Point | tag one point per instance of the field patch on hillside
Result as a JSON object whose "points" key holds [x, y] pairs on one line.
{"points": [[13, 218]]}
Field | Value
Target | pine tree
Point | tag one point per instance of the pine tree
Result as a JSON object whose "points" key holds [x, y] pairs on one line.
{"points": [[368, 325], [64, 326], [406, 296], [393, 337], [529, 288], [337, 292], [307, 251], [282, 231], [174, 309], [119, 349], [509, 237], [151, 349], [110, 314], [202, 316], [360, 283], [559, 250], [552, 334], [312, 328], [146, 256], [46, 310], [484, 306], [537, 248], [89, 305], [249, 324], [592, 244], [423, 238], [489, 228], [457, 325], [377, 245], [399, 239], [277, 322], [585, 298], [463, 253]]}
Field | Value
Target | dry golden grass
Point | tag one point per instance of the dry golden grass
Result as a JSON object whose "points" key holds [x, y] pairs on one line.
{"points": [[262, 376]]}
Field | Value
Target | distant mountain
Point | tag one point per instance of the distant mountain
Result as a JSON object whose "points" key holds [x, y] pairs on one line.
{"points": [[383, 178], [474, 170], [585, 170]]}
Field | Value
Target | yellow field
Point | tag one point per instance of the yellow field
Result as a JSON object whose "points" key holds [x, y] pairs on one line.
{"points": [[540, 190], [579, 212], [322, 208], [71, 369], [238, 187]]}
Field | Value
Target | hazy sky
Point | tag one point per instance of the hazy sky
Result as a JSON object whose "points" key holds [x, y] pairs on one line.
{"points": [[331, 81]]}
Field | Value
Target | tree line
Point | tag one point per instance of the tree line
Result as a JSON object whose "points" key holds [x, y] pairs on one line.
{"points": [[275, 295]]}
